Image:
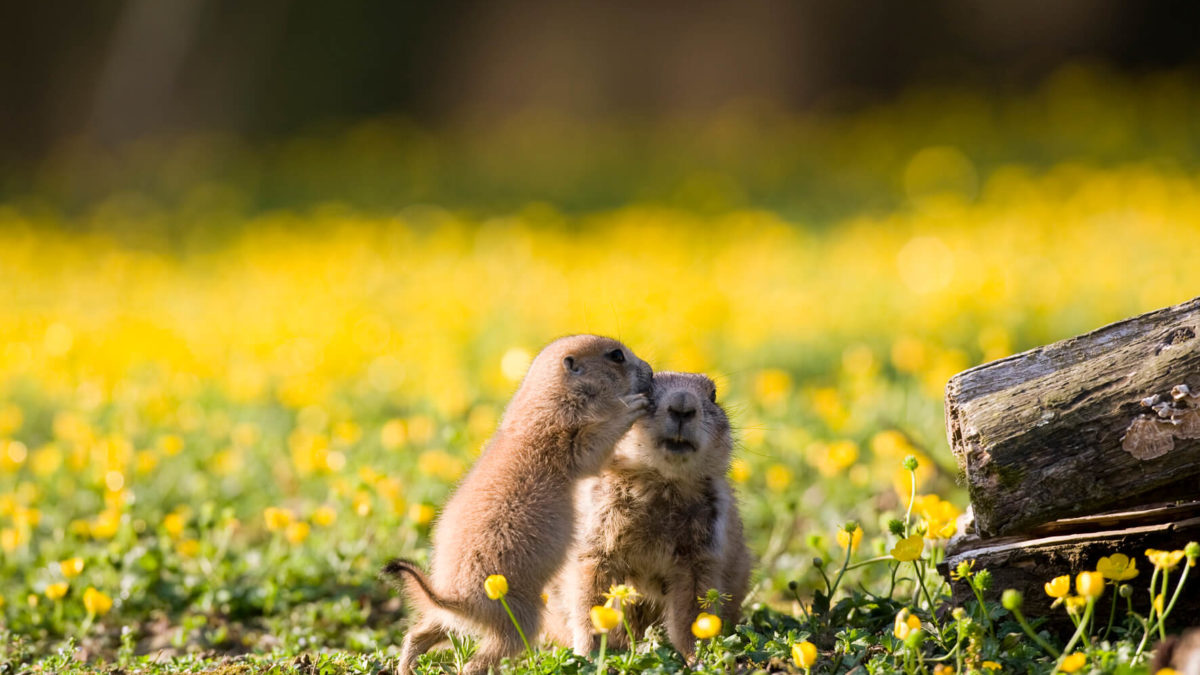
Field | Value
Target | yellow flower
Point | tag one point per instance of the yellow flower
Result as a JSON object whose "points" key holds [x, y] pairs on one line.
{"points": [[421, 514], [621, 594], [188, 548], [739, 470], [26, 518], [604, 618], [772, 386], [1059, 587], [844, 538], [277, 519], [96, 602], [106, 524], [297, 532], [1073, 662], [943, 669], [170, 444], [71, 567], [393, 434], [778, 477], [174, 523], [1076, 604], [804, 654], [496, 586], [57, 590], [440, 464], [1090, 584], [11, 539], [940, 516], [839, 456], [1164, 560], [706, 625], [991, 665], [1166, 671], [906, 623], [324, 516], [1158, 603], [908, 548], [514, 363], [1118, 567]]}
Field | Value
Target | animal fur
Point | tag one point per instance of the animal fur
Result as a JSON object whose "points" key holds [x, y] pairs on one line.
{"points": [[513, 513]]}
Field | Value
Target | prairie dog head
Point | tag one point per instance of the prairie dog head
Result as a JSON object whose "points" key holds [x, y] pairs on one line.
{"points": [[688, 433], [578, 380]]}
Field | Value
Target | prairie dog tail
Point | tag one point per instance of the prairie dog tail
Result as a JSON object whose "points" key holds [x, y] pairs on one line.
{"points": [[417, 586]]}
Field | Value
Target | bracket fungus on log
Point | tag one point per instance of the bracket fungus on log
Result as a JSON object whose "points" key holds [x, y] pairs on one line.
{"points": [[1150, 436]]}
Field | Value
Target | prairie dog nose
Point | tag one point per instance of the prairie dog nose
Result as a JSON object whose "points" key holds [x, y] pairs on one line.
{"points": [[681, 406]]}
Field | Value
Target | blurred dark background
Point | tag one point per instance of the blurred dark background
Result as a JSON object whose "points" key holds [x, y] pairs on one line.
{"points": [[116, 71]]}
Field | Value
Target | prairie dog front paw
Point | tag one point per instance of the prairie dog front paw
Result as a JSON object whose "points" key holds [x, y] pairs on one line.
{"points": [[639, 403]]}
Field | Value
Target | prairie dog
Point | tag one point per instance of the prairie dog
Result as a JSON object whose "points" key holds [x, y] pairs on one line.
{"points": [[662, 517], [514, 512]]}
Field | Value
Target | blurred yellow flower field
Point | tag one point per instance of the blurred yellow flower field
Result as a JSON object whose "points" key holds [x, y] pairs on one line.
{"points": [[226, 433]]}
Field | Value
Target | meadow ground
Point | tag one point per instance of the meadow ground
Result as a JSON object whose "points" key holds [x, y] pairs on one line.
{"points": [[234, 381]]}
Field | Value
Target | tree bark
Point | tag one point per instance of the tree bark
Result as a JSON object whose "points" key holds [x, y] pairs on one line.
{"points": [[1026, 563], [1101, 421]]}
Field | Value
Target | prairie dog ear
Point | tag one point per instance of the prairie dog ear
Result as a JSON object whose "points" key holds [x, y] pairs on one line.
{"points": [[572, 367]]}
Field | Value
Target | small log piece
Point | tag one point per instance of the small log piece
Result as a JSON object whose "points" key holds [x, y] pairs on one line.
{"points": [[1026, 563], [1110, 419]]}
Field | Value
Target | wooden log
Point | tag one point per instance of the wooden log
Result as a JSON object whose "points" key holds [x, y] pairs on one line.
{"points": [[1026, 563], [1102, 420]]}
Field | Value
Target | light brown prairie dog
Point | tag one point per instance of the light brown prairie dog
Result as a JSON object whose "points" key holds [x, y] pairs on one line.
{"points": [[662, 517], [514, 511]]}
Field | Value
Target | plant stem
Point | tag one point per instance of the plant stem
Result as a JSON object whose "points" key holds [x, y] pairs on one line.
{"points": [[912, 497], [1034, 636], [1175, 596], [920, 567], [982, 607], [837, 580], [1087, 617], [864, 563], [1112, 612], [628, 628], [1162, 616], [599, 661], [528, 651]]}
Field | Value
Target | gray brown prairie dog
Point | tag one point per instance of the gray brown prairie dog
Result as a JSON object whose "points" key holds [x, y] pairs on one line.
{"points": [[661, 517], [513, 513]]}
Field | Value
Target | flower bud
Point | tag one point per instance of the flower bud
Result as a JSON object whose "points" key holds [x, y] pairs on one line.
{"points": [[896, 527], [983, 579], [910, 462], [818, 562], [1192, 550], [959, 613], [1125, 591], [495, 586], [915, 639], [1012, 599], [1090, 584]]}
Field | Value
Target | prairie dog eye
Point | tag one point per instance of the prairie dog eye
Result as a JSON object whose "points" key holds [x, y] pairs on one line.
{"points": [[712, 396], [616, 356]]}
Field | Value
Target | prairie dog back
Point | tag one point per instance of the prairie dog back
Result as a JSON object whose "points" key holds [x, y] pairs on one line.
{"points": [[513, 513]]}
